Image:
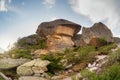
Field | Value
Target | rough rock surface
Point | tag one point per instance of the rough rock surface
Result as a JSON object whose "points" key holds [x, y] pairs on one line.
{"points": [[29, 40], [39, 52], [36, 66], [78, 41], [8, 63], [98, 30], [58, 33]]}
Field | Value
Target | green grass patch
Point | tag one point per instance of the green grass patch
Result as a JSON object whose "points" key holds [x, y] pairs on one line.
{"points": [[106, 49], [19, 53], [110, 73], [80, 54]]}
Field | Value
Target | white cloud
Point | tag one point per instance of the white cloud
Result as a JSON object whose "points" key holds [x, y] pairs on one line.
{"points": [[49, 3], [2, 5], [98, 10]]}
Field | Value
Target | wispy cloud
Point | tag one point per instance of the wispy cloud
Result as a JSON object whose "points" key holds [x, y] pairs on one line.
{"points": [[49, 3], [2, 5], [98, 10]]}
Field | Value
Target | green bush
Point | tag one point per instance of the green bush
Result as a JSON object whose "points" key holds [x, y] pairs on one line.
{"points": [[82, 54], [54, 65], [106, 49], [102, 41], [110, 73]]}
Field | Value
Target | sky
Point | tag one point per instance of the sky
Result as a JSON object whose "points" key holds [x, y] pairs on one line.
{"points": [[20, 18]]}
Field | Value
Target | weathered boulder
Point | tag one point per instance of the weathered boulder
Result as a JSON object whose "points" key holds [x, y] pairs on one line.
{"points": [[31, 78], [98, 30], [36, 66], [58, 33], [8, 63]]}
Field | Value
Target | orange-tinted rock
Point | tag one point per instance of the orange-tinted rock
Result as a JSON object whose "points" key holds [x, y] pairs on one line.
{"points": [[58, 33]]}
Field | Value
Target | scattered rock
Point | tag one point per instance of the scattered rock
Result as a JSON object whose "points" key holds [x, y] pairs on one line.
{"points": [[98, 63], [8, 63], [36, 66]]}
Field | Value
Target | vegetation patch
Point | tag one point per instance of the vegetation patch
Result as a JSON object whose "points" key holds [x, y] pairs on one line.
{"points": [[106, 49], [110, 73], [54, 65], [19, 53]]}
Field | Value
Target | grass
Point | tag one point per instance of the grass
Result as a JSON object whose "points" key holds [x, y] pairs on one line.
{"points": [[110, 73], [80, 54], [1, 78], [106, 49], [19, 53], [113, 58]]}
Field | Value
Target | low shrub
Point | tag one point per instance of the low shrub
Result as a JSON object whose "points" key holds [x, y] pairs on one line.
{"points": [[54, 65]]}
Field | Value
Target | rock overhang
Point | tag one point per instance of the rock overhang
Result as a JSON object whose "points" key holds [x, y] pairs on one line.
{"points": [[50, 28]]}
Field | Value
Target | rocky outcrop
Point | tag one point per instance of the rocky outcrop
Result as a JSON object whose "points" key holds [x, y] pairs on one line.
{"points": [[8, 63], [58, 33], [29, 40], [34, 67], [98, 30]]}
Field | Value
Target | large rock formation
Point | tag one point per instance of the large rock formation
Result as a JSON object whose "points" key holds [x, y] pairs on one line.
{"points": [[89, 35], [98, 30], [58, 33]]}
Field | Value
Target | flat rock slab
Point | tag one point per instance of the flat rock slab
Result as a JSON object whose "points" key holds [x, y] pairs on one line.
{"points": [[8, 63]]}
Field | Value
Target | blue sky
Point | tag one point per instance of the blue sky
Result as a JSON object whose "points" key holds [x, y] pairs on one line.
{"points": [[19, 18]]}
